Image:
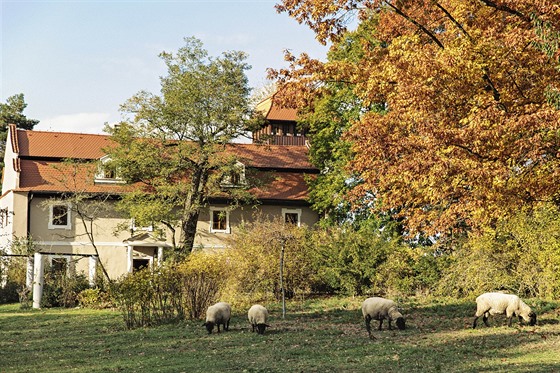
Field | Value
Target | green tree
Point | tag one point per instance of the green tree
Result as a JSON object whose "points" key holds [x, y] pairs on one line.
{"points": [[332, 107], [12, 113], [174, 144]]}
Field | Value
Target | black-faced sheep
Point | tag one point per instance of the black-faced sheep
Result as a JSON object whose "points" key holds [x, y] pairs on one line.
{"points": [[219, 313], [257, 318], [380, 309], [499, 303]]}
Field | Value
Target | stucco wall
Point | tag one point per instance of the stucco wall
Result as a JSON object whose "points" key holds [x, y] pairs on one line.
{"points": [[110, 240]]}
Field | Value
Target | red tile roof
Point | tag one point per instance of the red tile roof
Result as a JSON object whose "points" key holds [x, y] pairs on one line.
{"points": [[273, 111], [42, 144], [61, 144], [42, 171]]}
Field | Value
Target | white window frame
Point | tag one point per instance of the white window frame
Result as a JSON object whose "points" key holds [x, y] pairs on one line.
{"points": [[292, 211], [100, 175], [219, 210], [134, 228], [227, 182], [68, 224]]}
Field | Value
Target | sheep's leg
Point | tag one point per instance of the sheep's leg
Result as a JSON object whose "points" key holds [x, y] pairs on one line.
{"points": [[253, 326], [226, 325], [390, 327], [367, 320], [474, 322], [218, 324], [380, 323], [485, 319]]}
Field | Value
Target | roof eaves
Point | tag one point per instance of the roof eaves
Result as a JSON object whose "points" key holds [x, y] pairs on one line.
{"points": [[14, 138]]}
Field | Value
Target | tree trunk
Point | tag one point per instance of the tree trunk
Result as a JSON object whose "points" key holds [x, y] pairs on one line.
{"points": [[189, 231], [192, 207]]}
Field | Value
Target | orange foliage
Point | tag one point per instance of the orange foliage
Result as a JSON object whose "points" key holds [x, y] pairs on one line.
{"points": [[469, 135]]}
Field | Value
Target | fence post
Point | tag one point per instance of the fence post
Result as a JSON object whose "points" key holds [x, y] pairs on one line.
{"points": [[282, 280], [38, 279]]}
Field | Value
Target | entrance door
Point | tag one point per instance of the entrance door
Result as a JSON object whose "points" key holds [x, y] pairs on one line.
{"points": [[138, 264]]}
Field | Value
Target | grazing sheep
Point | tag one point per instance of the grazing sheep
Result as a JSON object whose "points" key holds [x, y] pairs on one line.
{"points": [[257, 318], [499, 303], [380, 309], [219, 313]]}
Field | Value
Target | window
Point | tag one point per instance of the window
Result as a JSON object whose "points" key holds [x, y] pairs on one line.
{"points": [[59, 216], [292, 216], [59, 265], [135, 228], [219, 220], [234, 177], [107, 172], [4, 218]]}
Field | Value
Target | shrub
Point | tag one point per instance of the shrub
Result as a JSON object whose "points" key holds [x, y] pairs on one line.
{"points": [[203, 276], [95, 298], [13, 274], [171, 292], [255, 254], [61, 288], [347, 258], [521, 254]]}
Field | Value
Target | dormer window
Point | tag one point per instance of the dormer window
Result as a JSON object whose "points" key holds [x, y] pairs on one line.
{"points": [[235, 177], [107, 172]]}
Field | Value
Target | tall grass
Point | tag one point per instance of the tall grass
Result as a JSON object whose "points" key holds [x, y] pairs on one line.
{"points": [[317, 335]]}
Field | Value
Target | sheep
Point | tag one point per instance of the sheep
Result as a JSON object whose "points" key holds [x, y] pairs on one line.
{"points": [[377, 308], [500, 303], [257, 318], [219, 313]]}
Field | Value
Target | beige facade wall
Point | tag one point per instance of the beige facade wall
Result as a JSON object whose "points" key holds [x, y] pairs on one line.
{"points": [[16, 227], [205, 238], [114, 251]]}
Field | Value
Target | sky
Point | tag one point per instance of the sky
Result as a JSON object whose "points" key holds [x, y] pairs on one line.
{"points": [[77, 61]]}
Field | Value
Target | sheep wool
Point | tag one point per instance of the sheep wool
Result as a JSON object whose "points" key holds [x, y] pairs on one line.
{"points": [[258, 316], [377, 308], [500, 303], [219, 313]]}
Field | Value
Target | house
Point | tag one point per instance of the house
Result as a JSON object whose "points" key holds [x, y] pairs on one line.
{"points": [[280, 125], [35, 178]]}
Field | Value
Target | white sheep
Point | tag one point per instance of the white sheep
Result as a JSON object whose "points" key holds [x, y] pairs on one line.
{"points": [[377, 308], [257, 318], [219, 313], [500, 303]]}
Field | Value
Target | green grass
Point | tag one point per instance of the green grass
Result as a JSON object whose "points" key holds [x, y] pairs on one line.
{"points": [[319, 335]]}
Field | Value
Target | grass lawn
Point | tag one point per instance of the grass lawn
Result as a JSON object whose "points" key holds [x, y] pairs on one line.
{"points": [[317, 335]]}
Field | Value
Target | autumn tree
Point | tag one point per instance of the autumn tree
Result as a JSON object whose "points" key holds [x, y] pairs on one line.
{"points": [[173, 144], [334, 108], [470, 133]]}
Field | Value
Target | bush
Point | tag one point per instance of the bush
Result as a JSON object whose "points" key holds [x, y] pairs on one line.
{"points": [[61, 289], [171, 292], [13, 272], [347, 258], [254, 258], [203, 276], [521, 255], [95, 298]]}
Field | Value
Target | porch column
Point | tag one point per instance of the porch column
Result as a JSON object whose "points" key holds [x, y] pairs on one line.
{"points": [[92, 270], [129, 251], [38, 279], [160, 255]]}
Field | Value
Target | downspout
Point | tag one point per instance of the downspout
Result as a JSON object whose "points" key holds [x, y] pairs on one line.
{"points": [[29, 198], [30, 259]]}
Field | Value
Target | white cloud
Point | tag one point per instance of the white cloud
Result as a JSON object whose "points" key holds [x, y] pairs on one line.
{"points": [[79, 122]]}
